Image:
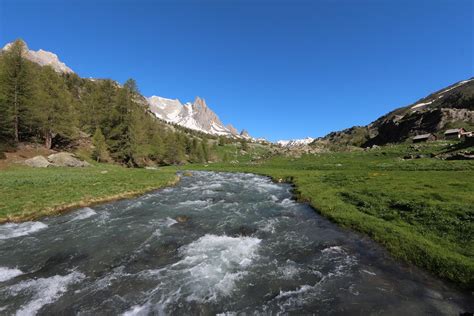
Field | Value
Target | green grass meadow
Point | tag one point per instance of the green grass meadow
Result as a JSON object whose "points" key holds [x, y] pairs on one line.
{"points": [[28, 193], [421, 210]]}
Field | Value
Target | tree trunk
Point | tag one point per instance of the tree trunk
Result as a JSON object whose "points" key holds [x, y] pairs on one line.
{"points": [[49, 140], [15, 109]]}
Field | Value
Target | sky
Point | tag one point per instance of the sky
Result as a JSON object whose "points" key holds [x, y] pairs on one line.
{"points": [[280, 69]]}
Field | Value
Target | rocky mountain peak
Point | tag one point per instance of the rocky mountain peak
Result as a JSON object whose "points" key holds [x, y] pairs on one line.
{"points": [[199, 102], [43, 58], [244, 134], [232, 129], [197, 115]]}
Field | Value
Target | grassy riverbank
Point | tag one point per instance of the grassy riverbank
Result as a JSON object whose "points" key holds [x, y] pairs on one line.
{"points": [[421, 210], [29, 193]]}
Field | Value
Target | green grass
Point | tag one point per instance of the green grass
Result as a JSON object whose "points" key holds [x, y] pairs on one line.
{"points": [[233, 152], [421, 210], [29, 193]]}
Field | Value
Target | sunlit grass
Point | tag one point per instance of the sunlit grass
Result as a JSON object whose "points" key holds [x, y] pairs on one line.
{"points": [[28, 193], [421, 210]]}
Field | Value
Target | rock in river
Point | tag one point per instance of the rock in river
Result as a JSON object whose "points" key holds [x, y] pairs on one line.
{"points": [[182, 219]]}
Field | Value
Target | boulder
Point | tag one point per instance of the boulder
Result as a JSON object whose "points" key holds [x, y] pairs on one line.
{"points": [[37, 162], [64, 159], [182, 219]]}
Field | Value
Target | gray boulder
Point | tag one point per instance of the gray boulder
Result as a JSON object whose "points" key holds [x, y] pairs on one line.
{"points": [[64, 159], [37, 162]]}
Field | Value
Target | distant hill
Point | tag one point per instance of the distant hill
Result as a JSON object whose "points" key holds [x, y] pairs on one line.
{"points": [[450, 107]]}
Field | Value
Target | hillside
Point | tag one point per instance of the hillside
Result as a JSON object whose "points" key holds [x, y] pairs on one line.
{"points": [[451, 107], [43, 101]]}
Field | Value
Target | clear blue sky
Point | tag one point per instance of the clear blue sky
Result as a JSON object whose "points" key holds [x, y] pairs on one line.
{"points": [[281, 69]]}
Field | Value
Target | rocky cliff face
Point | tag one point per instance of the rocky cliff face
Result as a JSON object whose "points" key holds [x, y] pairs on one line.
{"points": [[44, 58], [447, 108], [197, 115]]}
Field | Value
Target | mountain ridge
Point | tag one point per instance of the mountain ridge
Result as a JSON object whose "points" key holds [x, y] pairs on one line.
{"points": [[44, 58], [449, 107], [194, 115]]}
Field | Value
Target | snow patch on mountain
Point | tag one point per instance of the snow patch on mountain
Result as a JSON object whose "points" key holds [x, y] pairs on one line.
{"points": [[44, 58], [196, 115], [295, 142], [436, 96]]}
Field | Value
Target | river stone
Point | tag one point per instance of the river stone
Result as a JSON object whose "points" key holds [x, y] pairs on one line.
{"points": [[64, 159], [37, 162], [182, 219]]}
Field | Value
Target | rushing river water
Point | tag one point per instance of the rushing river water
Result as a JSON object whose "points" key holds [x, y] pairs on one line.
{"points": [[216, 243]]}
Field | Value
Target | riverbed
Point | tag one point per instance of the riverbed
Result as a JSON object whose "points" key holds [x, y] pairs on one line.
{"points": [[217, 243]]}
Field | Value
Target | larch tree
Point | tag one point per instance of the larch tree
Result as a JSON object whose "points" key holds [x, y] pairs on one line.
{"points": [[16, 88], [53, 108], [100, 153]]}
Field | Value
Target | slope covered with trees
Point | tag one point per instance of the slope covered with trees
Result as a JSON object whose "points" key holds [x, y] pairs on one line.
{"points": [[40, 105]]}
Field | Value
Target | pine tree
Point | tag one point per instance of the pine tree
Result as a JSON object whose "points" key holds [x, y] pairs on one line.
{"points": [[6, 113], [193, 152], [16, 84], [157, 146], [97, 102], [52, 111], [174, 152], [100, 153], [141, 148], [120, 133], [205, 150], [200, 155]]}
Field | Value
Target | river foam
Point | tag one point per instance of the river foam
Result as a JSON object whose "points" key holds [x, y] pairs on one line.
{"points": [[13, 230], [209, 269], [8, 273], [44, 291], [84, 213]]}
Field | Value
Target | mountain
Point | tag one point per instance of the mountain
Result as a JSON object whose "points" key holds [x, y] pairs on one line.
{"points": [[295, 142], [44, 58], [196, 115], [451, 107]]}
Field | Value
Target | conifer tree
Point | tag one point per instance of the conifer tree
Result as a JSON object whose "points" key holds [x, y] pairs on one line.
{"points": [[141, 148], [16, 85], [157, 147], [205, 150], [174, 152], [52, 110], [100, 153], [120, 133]]}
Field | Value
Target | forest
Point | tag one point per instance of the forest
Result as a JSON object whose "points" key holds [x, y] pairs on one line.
{"points": [[39, 105]]}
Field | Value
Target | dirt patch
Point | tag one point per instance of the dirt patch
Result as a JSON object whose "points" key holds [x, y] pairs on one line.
{"points": [[23, 152]]}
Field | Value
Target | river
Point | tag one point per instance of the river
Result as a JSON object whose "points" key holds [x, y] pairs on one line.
{"points": [[217, 243]]}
